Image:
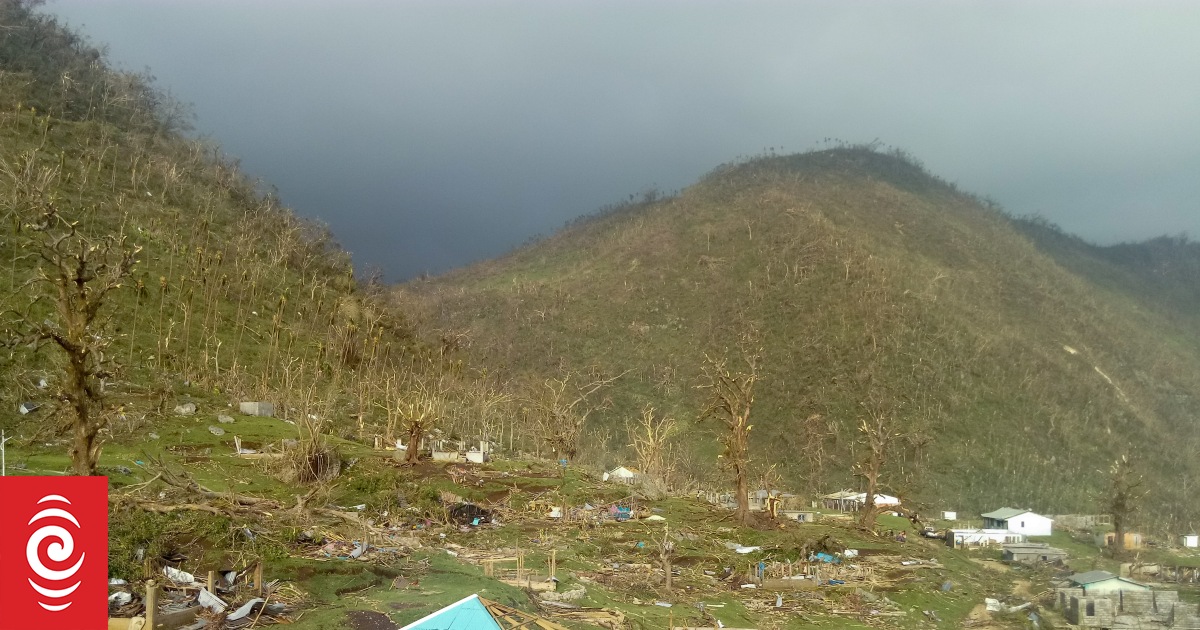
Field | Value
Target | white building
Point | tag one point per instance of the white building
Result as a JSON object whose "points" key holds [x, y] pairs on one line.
{"points": [[1019, 521], [882, 500], [622, 474], [957, 538], [1191, 541]]}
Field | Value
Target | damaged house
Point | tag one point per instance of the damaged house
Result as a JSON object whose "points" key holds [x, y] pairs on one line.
{"points": [[1032, 553], [1099, 599]]}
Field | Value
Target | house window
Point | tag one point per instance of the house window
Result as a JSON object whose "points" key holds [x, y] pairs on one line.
{"points": [[1091, 609], [1022, 524]]}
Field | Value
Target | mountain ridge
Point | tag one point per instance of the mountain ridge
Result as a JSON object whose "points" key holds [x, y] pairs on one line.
{"points": [[831, 256]]}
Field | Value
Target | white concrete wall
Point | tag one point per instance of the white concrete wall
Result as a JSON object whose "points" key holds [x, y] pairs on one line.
{"points": [[1031, 524]]}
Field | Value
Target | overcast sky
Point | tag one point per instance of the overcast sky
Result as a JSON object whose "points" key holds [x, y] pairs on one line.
{"points": [[432, 134]]}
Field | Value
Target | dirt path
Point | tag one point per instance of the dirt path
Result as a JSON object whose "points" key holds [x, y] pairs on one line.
{"points": [[992, 564]]}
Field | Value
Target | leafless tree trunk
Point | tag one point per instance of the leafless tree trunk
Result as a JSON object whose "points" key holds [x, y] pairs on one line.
{"points": [[81, 273], [420, 404], [649, 440], [1125, 494], [562, 410], [666, 553], [731, 397], [885, 440], [875, 435]]}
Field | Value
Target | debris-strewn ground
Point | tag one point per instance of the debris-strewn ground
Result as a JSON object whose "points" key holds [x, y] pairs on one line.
{"points": [[385, 543]]}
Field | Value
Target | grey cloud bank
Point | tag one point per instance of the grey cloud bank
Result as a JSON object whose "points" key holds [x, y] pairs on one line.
{"points": [[432, 134]]}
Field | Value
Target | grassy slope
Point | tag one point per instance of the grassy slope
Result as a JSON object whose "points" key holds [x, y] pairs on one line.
{"points": [[866, 278], [233, 295], [234, 298]]}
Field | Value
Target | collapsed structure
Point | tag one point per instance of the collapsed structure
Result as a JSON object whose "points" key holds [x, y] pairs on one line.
{"points": [[1099, 599]]}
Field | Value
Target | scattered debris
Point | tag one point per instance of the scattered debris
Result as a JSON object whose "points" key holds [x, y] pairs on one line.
{"points": [[246, 609], [216, 430], [26, 408], [186, 409], [178, 577], [574, 594], [211, 602], [470, 514], [223, 419]]}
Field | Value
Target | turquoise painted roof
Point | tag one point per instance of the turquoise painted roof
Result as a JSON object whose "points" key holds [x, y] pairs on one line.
{"points": [[466, 614]]}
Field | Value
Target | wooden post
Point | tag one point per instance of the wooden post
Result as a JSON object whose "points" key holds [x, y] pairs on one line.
{"points": [[258, 578], [671, 620], [553, 562], [212, 582], [151, 603], [146, 568]]}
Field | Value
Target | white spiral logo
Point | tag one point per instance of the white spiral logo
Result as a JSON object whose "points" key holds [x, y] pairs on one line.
{"points": [[59, 551]]}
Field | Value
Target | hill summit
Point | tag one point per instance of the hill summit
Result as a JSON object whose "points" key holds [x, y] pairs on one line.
{"points": [[872, 288]]}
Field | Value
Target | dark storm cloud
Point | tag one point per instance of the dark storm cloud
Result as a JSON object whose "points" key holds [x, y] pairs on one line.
{"points": [[432, 134]]}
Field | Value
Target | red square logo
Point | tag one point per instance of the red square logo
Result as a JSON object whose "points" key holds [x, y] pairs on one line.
{"points": [[54, 553]]}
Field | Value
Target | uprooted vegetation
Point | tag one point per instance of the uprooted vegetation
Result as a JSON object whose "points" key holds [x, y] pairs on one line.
{"points": [[395, 549]]}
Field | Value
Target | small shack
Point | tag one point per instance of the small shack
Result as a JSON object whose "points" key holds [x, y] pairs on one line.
{"points": [[1191, 541], [1032, 553], [622, 474], [1133, 540], [802, 516], [842, 500], [849, 501], [1103, 583], [966, 538], [479, 455]]}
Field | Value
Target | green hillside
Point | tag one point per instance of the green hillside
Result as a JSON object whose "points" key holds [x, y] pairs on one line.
{"points": [[151, 287], [872, 287]]}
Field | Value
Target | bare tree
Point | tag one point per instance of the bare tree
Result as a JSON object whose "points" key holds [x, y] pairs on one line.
{"points": [[562, 409], [887, 442], [1123, 499], [419, 403], [78, 273], [876, 435], [649, 440], [731, 397], [560, 413], [666, 556]]}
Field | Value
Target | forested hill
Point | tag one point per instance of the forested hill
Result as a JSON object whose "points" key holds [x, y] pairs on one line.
{"points": [[873, 289], [1163, 273]]}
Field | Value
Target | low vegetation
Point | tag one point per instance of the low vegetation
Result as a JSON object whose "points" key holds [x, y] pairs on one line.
{"points": [[841, 318]]}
